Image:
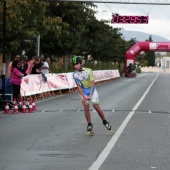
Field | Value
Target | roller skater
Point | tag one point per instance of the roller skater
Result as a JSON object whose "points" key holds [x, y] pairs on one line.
{"points": [[85, 84]]}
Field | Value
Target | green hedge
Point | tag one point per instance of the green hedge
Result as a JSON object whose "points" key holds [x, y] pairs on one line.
{"points": [[98, 66]]}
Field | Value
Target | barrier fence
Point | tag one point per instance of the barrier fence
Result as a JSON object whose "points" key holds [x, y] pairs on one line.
{"points": [[34, 84]]}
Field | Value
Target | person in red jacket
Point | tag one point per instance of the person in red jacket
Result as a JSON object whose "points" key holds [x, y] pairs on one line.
{"points": [[16, 79]]}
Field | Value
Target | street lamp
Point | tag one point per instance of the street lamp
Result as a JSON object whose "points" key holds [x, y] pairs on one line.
{"points": [[102, 13]]}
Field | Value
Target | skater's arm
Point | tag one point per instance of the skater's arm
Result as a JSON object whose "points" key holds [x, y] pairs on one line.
{"points": [[91, 84], [91, 90]]}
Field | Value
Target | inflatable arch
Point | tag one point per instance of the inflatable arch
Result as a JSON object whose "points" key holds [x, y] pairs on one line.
{"points": [[144, 46]]}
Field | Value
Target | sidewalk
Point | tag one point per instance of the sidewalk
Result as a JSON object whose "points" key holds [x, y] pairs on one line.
{"points": [[155, 70]]}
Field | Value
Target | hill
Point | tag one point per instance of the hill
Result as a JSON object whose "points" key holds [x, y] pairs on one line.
{"points": [[141, 36]]}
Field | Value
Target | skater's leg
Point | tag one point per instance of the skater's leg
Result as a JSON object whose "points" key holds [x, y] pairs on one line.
{"points": [[99, 111], [101, 114], [87, 113], [88, 118], [95, 102]]}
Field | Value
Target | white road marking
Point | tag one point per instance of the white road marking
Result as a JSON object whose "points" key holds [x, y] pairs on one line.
{"points": [[44, 110], [101, 158]]}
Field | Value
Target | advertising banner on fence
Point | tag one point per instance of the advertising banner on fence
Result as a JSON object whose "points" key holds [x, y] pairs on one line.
{"points": [[34, 84]]}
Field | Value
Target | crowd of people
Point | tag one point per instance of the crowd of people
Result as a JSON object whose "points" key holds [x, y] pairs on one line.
{"points": [[23, 66]]}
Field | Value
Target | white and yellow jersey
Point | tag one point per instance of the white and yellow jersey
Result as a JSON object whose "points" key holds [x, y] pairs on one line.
{"points": [[84, 77]]}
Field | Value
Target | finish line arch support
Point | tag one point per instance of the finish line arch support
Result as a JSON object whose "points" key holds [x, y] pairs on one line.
{"points": [[132, 53]]}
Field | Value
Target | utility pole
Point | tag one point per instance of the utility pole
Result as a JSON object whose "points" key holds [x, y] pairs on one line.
{"points": [[4, 50], [38, 45]]}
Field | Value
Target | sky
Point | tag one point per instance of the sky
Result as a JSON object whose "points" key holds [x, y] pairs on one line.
{"points": [[159, 17]]}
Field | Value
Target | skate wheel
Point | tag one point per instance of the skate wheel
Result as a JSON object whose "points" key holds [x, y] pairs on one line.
{"points": [[90, 133], [112, 131]]}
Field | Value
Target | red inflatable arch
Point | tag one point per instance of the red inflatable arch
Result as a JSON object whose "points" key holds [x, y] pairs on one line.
{"points": [[144, 46]]}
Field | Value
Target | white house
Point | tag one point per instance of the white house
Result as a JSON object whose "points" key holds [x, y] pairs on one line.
{"points": [[165, 62]]}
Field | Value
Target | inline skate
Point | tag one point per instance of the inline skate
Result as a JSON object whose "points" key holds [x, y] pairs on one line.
{"points": [[90, 129], [108, 126]]}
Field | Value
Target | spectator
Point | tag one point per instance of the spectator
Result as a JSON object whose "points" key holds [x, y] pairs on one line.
{"points": [[46, 68], [30, 64], [133, 74], [41, 60], [24, 64], [9, 71], [129, 70], [37, 68], [16, 78]]}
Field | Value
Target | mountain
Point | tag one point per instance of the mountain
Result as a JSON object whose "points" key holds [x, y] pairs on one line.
{"points": [[141, 36]]}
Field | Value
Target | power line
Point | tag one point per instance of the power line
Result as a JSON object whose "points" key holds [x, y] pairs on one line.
{"points": [[109, 8], [141, 2]]}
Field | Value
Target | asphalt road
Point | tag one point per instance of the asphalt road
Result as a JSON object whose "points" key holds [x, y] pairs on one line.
{"points": [[54, 137]]}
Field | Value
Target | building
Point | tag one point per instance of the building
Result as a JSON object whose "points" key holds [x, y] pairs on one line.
{"points": [[165, 62]]}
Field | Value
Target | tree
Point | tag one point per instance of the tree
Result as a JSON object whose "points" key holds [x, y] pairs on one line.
{"points": [[150, 56], [65, 28], [25, 19], [168, 54]]}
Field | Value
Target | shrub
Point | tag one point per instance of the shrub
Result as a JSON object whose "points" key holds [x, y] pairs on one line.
{"points": [[98, 66], [138, 70]]}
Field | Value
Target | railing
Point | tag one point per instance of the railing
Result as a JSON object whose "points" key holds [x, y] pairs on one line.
{"points": [[34, 84]]}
